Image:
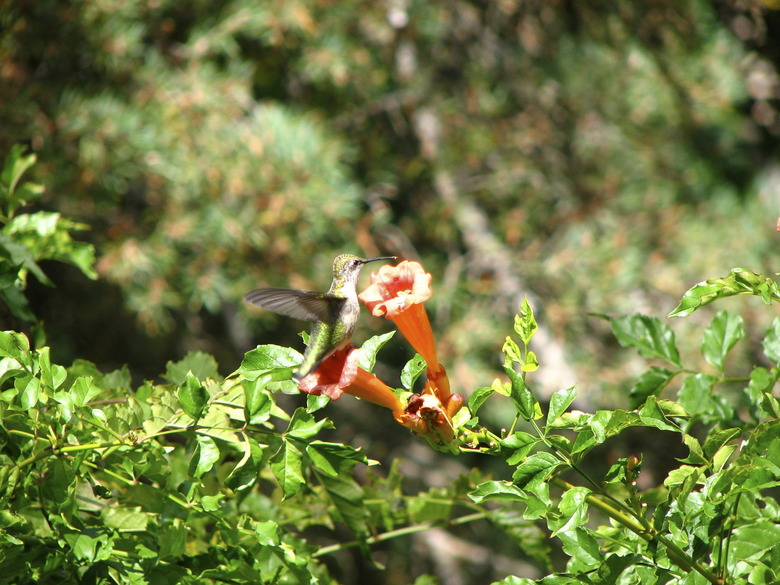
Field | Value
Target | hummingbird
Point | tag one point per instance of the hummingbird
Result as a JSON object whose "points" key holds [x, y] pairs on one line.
{"points": [[334, 313]]}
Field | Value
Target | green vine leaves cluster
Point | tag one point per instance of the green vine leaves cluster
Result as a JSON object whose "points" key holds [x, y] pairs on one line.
{"points": [[201, 478], [714, 519], [27, 238]]}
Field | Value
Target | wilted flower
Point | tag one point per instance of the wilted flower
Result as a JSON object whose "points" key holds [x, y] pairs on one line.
{"points": [[425, 415], [340, 373], [398, 293]]}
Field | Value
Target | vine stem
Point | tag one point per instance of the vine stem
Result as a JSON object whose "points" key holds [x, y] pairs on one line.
{"points": [[406, 530], [676, 554]]}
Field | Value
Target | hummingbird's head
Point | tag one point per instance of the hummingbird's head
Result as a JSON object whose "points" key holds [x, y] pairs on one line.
{"points": [[347, 266]]}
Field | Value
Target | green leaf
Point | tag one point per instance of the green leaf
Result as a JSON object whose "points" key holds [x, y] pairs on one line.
{"points": [[725, 330], [304, 426], [347, 499], [653, 414], [334, 458], [648, 336], [525, 322], [559, 402], [582, 548], [16, 346], [286, 465], [517, 446], [535, 469], [512, 351], [573, 510], [753, 540], [193, 396], [650, 383], [531, 363], [771, 343], [244, 474], [412, 371], [86, 548], [14, 166], [257, 401], [512, 580], [739, 282], [17, 303], [60, 483], [83, 390], [172, 540], [201, 364], [427, 507], [205, 456], [275, 360], [267, 533], [696, 393], [479, 397], [368, 351], [525, 402], [496, 490]]}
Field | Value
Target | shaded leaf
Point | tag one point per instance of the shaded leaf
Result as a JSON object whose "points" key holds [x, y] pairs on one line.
{"points": [[648, 336], [650, 383], [724, 331], [771, 342]]}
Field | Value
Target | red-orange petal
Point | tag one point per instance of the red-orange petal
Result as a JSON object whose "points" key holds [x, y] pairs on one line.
{"points": [[368, 387], [394, 289]]}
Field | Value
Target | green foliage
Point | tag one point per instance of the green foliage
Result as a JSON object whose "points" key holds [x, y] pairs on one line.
{"points": [[206, 477], [27, 238]]}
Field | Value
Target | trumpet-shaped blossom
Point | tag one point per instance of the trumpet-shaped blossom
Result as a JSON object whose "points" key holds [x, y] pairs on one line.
{"points": [[398, 293], [340, 373]]}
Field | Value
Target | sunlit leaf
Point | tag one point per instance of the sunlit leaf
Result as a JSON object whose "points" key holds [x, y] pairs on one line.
{"points": [[525, 402], [696, 393], [205, 456], [277, 361], [201, 364], [304, 426], [559, 402], [369, 349], [535, 469], [334, 458], [739, 282], [496, 490], [412, 370], [525, 322], [245, 473], [193, 396], [286, 465], [479, 397]]}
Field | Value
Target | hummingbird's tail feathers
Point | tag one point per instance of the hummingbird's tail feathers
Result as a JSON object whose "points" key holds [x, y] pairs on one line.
{"points": [[299, 304]]}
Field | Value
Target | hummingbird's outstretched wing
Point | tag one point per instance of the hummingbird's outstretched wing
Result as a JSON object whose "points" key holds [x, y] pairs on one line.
{"points": [[306, 305]]}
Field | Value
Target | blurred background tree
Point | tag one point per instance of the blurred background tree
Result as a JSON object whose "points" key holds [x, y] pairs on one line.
{"points": [[598, 157]]}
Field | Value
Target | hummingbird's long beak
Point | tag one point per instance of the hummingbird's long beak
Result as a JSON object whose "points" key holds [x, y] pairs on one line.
{"points": [[380, 258]]}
